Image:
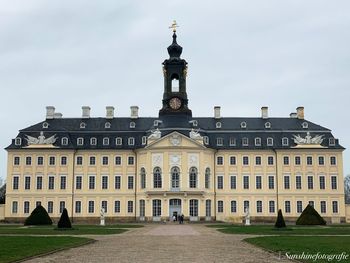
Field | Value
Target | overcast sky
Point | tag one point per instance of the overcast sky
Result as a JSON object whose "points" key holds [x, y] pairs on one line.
{"points": [[242, 55]]}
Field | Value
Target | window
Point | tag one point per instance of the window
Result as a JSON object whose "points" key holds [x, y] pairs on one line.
{"points": [[285, 141], [233, 182], [245, 160], [144, 140], [107, 125], [117, 206], [63, 182], [309, 160], [14, 207], [232, 141], [219, 141], [287, 207], [233, 206], [104, 182], [91, 182], [335, 207], [220, 206], [299, 207], [220, 160], [51, 183], [208, 208], [40, 160], [130, 206], [39, 182], [78, 182], [218, 125], [297, 160], [82, 125], [157, 177], [245, 205], [220, 182], [310, 182], [50, 207], [117, 182], [269, 141], [305, 125], [323, 207], [193, 207], [26, 207], [91, 208], [80, 141], [298, 182], [286, 182], [104, 160], [104, 206], [77, 207], [28, 160], [118, 141], [270, 160], [245, 141], [63, 160], [206, 140], [92, 160], [79, 160], [312, 203], [16, 160], [258, 184], [157, 208], [331, 141], [271, 182], [130, 182], [257, 160], [62, 206], [268, 125], [232, 160], [272, 206], [245, 182], [131, 141], [131, 160], [52, 160], [286, 160], [93, 141], [27, 183], [118, 160], [334, 182], [175, 85], [193, 177], [243, 125], [259, 207], [207, 178], [18, 141], [15, 183], [320, 160], [333, 160], [143, 178], [105, 141], [64, 141], [132, 125], [257, 141], [322, 182]]}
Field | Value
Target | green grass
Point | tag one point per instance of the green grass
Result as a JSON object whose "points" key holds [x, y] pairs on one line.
{"points": [[307, 244], [18, 247]]}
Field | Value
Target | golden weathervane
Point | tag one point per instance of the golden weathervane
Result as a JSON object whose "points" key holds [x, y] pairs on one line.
{"points": [[174, 26]]}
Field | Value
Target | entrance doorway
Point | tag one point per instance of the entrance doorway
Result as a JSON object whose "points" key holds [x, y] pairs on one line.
{"points": [[174, 208]]}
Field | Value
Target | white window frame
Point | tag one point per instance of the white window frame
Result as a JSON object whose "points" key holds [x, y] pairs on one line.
{"points": [[64, 141], [285, 141], [219, 141], [80, 141], [18, 141], [268, 125], [243, 125], [82, 125], [105, 141], [257, 141], [132, 125], [108, 125], [131, 141], [93, 141], [218, 125], [269, 141], [119, 141]]}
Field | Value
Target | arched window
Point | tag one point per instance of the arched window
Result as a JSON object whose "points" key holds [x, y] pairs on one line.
{"points": [[175, 177], [193, 177], [175, 85], [64, 141], [207, 178], [143, 178], [157, 177]]}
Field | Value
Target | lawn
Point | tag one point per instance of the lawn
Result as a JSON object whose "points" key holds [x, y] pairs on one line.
{"points": [[309, 245], [14, 248]]}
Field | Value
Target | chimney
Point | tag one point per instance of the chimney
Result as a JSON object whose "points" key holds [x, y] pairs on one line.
{"points": [[50, 112], [300, 113], [217, 114], [134, 112], [109, 112], [57, 115], [293, 115], [264, 112], [86, 112]]}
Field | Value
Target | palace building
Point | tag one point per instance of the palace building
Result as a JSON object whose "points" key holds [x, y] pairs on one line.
{"points": [[150, 169]]}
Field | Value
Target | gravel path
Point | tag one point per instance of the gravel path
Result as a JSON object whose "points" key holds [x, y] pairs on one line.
{"points": [[165, 243]]}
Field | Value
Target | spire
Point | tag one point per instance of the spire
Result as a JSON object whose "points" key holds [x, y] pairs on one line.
{"points": [[174, 49]]}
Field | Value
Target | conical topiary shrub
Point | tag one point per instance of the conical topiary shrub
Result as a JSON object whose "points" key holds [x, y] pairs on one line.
{"points": [[310, 217], [64, 221], [280, 220], [39, 216]]}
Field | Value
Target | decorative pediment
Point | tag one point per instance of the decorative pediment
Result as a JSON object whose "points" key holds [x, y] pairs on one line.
{"points": [[308, 140], [174, 140], [41, 141]]}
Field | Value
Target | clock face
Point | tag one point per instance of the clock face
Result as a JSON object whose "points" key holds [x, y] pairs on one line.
{"points": [[175, 103]]}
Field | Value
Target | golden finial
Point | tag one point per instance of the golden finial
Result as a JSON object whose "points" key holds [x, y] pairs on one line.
{"points": [[174, 26]]}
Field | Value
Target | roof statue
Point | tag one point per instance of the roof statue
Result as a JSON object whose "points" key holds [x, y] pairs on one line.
{"points": [[41, 139], [318, 139], [195, 135], [156, 134]]}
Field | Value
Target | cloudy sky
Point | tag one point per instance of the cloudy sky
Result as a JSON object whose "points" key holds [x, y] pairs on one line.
{"points": [[242, 55]]}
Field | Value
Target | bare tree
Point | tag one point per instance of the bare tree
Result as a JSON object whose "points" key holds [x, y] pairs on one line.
{"points": [[347, 189], [2, 194]]}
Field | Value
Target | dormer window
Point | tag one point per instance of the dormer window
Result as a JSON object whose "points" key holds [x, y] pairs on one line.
{"points": [[80, 141], [156, 123], [305, 125], [218, 125], [194, 123], [64, 141], [93, 141], [105, 141], [144, 140], [219, 141], [206, 140], [18, 141], [232, 141], [245, 141], [269, 141], [243, 125], [268, 125], [82, 125], [45, 125], [119, 141], [258, 141], [131, 141], [132, 125], [285, 141], [107, 125], [331, 141]]}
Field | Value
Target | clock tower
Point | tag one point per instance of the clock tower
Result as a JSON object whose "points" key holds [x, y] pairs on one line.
{"points": [[175, 100]]}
